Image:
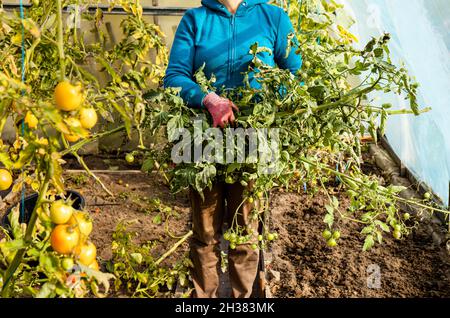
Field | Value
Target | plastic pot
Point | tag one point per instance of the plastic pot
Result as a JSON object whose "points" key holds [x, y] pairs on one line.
{"points": [[78, 203]]}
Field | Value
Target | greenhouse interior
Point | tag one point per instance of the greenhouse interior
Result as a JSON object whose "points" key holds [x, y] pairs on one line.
{"points": [[263, 149]]}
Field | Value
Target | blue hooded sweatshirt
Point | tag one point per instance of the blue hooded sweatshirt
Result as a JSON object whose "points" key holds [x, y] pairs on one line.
{"points": [[212, 35]]}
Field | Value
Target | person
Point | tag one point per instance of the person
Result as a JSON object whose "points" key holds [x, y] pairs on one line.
{"points": [[219, 35]]}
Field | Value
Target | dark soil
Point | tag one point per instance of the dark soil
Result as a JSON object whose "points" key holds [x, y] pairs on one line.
{"points": [[304, 266], [132, 202], [412, 267]]}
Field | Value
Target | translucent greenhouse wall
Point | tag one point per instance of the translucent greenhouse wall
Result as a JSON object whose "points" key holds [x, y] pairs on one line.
{"points": [[420, 39]]}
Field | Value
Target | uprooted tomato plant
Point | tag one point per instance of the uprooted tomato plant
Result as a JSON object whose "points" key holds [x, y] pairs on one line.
{"points": [[55, 109], [48, 88], [320, 117]]}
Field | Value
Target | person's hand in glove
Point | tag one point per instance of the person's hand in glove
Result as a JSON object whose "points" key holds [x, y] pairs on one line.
{"points": [[221, 109]]}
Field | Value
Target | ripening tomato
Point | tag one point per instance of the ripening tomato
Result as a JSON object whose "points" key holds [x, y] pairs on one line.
{"points": [[72, 138], [83, 221], [73, 123], [86, 253], [68, 97], [6, 179], [64, 239], [88, 117], [60, 212], [94, 265], [31, 120]]}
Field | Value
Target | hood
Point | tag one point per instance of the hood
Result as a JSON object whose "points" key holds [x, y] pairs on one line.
{"points": [[217, 6]]}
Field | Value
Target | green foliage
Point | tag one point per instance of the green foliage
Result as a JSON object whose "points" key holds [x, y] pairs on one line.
{"points": [[322, 113], [138, 273], [112, 77]]}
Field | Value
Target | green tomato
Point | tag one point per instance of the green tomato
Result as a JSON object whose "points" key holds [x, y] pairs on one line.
{"points": [[233, 246], [250, 200], [397, 235], [226, 236], [165, 166], [270, 236], [427, 196], [307, 64], [129, 158], [406, 216], [336, 235], [260, 194], [254, 247], [233, 237], [260, 238], [331, 242], [397, 227], [326, 234], [229, 180], [67, 263]]}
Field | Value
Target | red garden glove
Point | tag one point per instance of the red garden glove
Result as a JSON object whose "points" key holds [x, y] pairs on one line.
{"points": [[221, 109]]}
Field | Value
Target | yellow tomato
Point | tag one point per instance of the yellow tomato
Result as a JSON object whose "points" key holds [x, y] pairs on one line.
{"points": [[5, 179], [31, 120], [88, 117], [68, 97], [83, 221], [73, 123], [86, 253], [94, 265], [71, 138], [60, 212]]}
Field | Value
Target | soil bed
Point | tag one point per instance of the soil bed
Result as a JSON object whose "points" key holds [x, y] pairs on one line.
{"points": [[301, 264], [304, 266]]}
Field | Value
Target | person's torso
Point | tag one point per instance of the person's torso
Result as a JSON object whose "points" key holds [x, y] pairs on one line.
{"points": [[222, 42]]}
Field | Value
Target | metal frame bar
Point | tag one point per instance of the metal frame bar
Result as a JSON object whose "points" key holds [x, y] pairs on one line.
{"points": [[152, 11]]}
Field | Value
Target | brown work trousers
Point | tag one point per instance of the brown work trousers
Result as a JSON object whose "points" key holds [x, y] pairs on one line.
{"points": [[208, 217]]}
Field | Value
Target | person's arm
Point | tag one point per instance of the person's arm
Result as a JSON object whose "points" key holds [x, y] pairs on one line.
{"points": [[293, 61], [180, 71]]}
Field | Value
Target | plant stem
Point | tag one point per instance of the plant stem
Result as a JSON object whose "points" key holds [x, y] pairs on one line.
{"points": [[397, 197], [174, 247], [86, 168], [62, 63], [28, 235], [78, 145]]}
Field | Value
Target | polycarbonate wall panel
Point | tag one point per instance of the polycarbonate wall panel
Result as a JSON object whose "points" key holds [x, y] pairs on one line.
{"points": [[420, 39]]}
